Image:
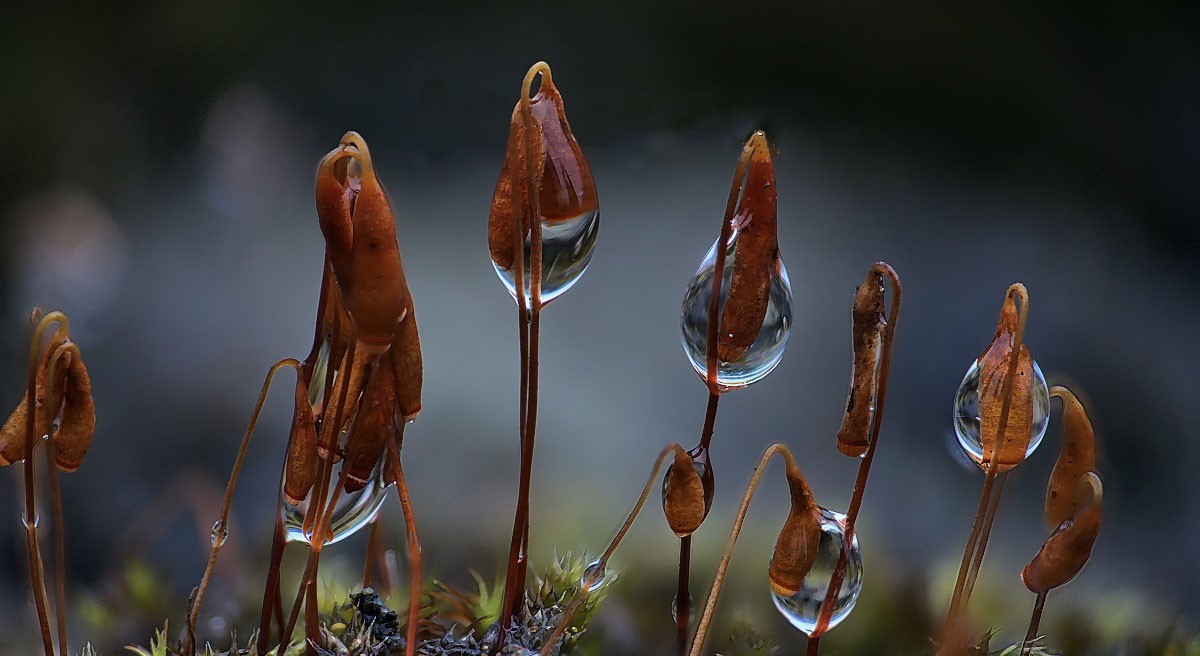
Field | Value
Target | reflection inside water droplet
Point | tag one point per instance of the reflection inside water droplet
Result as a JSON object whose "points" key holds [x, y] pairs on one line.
{"points": [[690, 606], [567, 247], [353, 510], [593, 577], [803, 608], [766, 351], [966, 412]]}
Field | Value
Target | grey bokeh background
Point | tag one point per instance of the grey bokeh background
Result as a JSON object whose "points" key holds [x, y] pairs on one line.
{"points": [[157, 186]]}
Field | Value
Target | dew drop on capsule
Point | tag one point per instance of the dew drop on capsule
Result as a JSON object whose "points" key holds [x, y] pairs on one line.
{"points": [[766, 351], [966, 412], [567, 247], [353, 511], [803, 608]]}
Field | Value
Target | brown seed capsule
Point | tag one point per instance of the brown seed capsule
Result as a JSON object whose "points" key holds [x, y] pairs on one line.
{"points": [[993, 372], [78, 423], [1077, 457], [12, 435], [564, 182], [48, 400], [303, 462], [799, 540], [1067, 550], [407, 366], [755, 257], [360, 235], [868, 323], [374, 424], [686, 497]]}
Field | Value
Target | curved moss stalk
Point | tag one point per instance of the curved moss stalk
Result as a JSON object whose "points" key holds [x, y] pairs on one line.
{"points": [[594, 575], [529, 330], [985, 514], [221, 527], [719, 579], [864, 467]]}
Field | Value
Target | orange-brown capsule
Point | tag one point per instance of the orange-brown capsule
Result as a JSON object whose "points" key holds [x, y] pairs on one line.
{"points": [[12, 435], [407, 366], [687, 495], [564, 184], [1067, 550], [1077, 457], [360, 235], [799, 540], [868, 323], [374, 424], [993, 372], [48, 399], [303, 462], [755, 256], [78, 424]]}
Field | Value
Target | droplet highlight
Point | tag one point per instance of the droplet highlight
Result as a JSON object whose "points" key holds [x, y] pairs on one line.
{"points": [[804, 608], [766, 351], [567, 247], [593, 577], [353, 511], [966, 413]]}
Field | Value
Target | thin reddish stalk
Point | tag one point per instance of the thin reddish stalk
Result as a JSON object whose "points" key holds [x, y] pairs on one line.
{"points": [[981, 525], [413, 546], [719, 579], [529, 327], [1034, 621], [60, 556], [582, 594], [271, 593], [372, 550], [984, 535], [33, 550], [221, 527], [864, 466], [683, 594]]}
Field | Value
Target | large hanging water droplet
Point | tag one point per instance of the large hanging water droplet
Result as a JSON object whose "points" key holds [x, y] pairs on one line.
{"points": [[567, 247], [966, 412], [803, 608], [766, 351], [353, 510]]}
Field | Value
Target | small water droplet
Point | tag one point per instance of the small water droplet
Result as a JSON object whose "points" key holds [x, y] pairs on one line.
{"points": [[690, 606], [593, 577], [354, 510], [966, 412], [803, 608], [567, 247], [220, 532], [766, 351], [316, 386]]}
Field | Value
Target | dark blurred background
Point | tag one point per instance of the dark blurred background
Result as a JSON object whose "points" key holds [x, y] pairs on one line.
{"points": [[156, 171]]}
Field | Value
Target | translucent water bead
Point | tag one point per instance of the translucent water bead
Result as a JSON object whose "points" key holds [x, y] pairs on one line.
{"points": [[966, 412], [353, 510], [803, 608], [766, 351], [567, 247]]}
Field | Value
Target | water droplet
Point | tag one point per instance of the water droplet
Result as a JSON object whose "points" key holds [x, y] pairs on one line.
{"points": [[220, 531], [316, 386], [766, 351], [966, 412], [593, 577], [675, 609], [803, 608], [567, 247], [354, 510]]}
